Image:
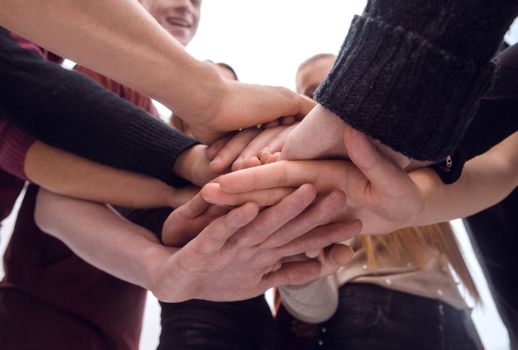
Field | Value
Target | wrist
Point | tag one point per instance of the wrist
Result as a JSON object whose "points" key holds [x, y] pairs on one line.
{"points": [[202, 90], [184, 163], [429, 186], [193, 165], [167, 280], [160, 269]]}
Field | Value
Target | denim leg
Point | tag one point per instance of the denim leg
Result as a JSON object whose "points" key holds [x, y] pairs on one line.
{"points": [[373, 317], [201, 324]]}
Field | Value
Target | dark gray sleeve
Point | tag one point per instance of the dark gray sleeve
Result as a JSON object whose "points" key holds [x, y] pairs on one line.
{"points": [[411, 73]]}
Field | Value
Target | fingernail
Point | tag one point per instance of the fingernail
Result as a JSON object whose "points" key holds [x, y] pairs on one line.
{"points": [[237, 162]]}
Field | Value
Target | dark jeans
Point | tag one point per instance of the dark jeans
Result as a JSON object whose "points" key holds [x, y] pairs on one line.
{"points": [[200, 324], [373, 317], [494, 233]]}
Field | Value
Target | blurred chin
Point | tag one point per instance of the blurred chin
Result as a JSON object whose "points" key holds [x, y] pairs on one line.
{"points": [[181, 35]]}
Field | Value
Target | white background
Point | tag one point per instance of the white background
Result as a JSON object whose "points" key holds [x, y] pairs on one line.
{"points": [[265, 41]]}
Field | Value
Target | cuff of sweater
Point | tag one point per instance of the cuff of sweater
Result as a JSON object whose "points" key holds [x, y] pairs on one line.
{"points": [[400, 89], [165, 146], [14, 145]]}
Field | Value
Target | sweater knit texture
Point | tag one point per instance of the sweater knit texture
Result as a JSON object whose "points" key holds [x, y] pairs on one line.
{"points": [[410, 73], [69, 111]]}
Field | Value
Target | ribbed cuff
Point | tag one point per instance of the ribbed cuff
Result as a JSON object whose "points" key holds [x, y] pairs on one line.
{"points": [[14, 145], [400, 89], [160, 146]]}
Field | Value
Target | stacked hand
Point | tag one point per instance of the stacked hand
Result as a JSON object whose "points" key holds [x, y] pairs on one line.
{"points": [[379, 192], [237, 254]]}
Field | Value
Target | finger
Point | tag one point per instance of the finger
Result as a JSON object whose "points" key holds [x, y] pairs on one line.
{"points": [[257, 144], [320, 238], [272, 124], [212, 193], [326, 175], [334, 257], [215, 235], [217, 146], [273, 158], [276, 143], [183, 196], [248, 163], [178, 230], [314, 253], [263, 156], [380, 171], [280, 174], [288, 120], [275, 217], [323, 212], [292, 273], [194, 207], [232, 149]]}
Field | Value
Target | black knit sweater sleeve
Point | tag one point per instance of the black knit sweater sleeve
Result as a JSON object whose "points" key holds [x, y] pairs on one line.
{"points": [[70, 111], [410, 73], [152, 219]]}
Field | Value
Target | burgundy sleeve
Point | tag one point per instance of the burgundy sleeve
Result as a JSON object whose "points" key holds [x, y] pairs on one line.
{"points": [[14, 145]]}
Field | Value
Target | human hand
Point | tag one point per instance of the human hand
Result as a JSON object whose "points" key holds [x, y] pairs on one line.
{"points": [[318, 136], [379, 193], [237, 256], [176, 197], [193, 165], [239, 105], [244, 148], [323, 131]]}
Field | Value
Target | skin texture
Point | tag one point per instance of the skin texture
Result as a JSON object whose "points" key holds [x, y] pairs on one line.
{"points": [[66, 174], [230, 259], [379, 193], [145, 57]]}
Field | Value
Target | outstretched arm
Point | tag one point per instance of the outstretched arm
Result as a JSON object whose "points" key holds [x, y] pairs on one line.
{"points": [[379, 193], [145, 57], [232, 258], [66, 174], [485, 181], [102, 238]]}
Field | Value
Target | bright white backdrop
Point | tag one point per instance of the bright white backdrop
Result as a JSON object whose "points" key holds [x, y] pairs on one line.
{"points": [[265, 41]]}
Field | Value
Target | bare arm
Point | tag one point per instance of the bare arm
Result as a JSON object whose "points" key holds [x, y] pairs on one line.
{"points": [[379, 192], [67, 174], [101, 237], [60, 24], [145, 57], [485, 181], [236, 256]]}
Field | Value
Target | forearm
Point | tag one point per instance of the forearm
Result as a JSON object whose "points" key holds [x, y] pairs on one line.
{"points": [[66, 174], [69, 111], [485, 181], [102, 238], [142, 54]]}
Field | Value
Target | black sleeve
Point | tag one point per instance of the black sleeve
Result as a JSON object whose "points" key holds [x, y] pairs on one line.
{"points": [[410, 73], [495, 119], [69, 111], [151, 219]]}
